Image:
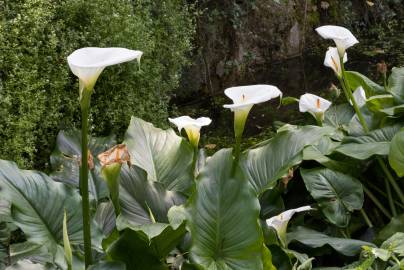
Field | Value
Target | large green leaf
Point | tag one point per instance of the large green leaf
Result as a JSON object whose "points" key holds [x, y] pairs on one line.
{"points": [[38, 204], [160, 238], [131, 249], [396, 84], [356, 79], [143, 200], [108, 266], [105, 217], [373, 121], [376, 142], [314, 239], [396, 154], [144, 221], [339, 116], [166, 157], [223, 218], [336, 193], [395, 225], [379, 102], [65, 161], [266, 164], [28, 265]]}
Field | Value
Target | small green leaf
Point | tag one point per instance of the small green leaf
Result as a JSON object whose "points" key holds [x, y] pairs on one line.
{"points": [[395, 244], [356, 79], [396, 155], [380, 102], [396, 84], [289, 100], [66, 242]]}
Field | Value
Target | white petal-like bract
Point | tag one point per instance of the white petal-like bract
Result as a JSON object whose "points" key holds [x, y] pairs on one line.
{"points": [[186, 121], [360, 96], [332, 60], [342, 37], [88, 63], [246, 96], [313, 104], [280, 222]]}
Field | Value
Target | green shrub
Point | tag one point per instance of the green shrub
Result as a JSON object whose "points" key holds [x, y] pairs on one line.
{"points": [[38, 94]]}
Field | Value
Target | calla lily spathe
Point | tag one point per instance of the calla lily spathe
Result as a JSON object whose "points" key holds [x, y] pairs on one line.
{"points": [[244, 97], [88, 63], [360, 96], [342, 37], [280, 222], [192, 126], [315, 105], [332, 60]]}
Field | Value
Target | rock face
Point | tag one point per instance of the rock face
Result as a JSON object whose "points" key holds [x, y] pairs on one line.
{"points": [[239, 40]]}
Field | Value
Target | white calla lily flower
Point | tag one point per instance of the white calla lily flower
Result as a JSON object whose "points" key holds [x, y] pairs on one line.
{"points": [[244, 97], [360, 96], [332, 60], [280, 222], [192, 126], [315, 105], [342, 37], [88, 63]]}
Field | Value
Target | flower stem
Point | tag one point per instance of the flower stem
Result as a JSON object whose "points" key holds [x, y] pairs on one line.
{"points": [[349, 95], [373, 186], [390, 197], [374, 199], [194, 161], [390, 177], [366, 218], [85, 108]]}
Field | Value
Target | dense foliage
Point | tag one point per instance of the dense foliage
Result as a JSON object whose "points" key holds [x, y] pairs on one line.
{"points": [[37, 94]]}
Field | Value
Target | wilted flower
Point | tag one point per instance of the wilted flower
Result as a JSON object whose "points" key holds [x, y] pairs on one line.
{"points": [[335, 91], [118, 154], [244, 97], [111, 162], [342, 37], [315, 105], [88, 63], [360, 96], [280, 222], [382, 68], [332, 60], [192, 126]]}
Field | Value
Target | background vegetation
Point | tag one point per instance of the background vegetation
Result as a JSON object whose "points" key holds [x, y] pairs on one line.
{"points": [[38, 94]]}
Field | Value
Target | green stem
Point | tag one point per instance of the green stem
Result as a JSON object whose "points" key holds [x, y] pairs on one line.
{"points": [[366, 218], [85, 108], [348, 92], [381, 192], [390, 197], [236, 153], [393, 183], [385, 82], [194, 161], [374, 199]]}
